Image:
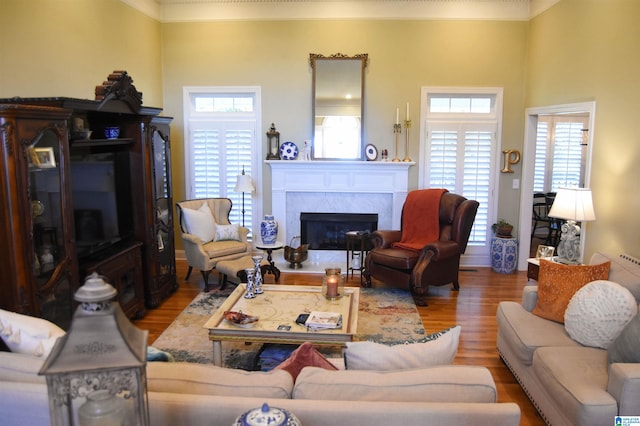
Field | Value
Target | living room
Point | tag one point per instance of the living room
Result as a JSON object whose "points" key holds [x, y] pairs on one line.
{"points": [[573, 51]]}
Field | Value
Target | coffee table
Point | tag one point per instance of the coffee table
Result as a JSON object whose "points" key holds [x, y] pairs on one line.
{"points": [[277, 309]]}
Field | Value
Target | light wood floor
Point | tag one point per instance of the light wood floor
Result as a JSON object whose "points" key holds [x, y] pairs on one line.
{"points": [[473, 307]]}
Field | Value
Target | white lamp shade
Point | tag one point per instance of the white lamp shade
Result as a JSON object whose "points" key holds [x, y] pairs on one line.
{"points": [[243, 184], [573, 204]]}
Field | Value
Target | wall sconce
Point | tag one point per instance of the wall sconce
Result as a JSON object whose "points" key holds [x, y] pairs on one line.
{"points": [[273, 143], [511, 157], [96, 373]]}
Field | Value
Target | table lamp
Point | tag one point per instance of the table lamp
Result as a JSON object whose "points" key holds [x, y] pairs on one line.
{"points": [[573, 205], [243, 184]]}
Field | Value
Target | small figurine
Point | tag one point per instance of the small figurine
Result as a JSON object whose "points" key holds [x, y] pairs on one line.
{"points": [[306, 151]]}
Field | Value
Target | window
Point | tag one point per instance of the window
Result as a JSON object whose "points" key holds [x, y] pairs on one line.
{"points": [[221, 140], [458, 146], [560, 152]]}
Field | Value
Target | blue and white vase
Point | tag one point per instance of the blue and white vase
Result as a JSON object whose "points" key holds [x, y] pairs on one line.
{"points": [[504, 255], [257, 275], [269, 230]]}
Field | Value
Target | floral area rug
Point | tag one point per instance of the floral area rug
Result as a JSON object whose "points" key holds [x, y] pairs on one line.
{"points": [[386, 316]]}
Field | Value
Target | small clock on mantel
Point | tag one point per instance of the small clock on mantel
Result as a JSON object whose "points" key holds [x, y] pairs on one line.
{"points": [[273, 142]]}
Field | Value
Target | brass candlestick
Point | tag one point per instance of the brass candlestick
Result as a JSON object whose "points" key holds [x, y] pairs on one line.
{"points": [[397, 129], [407, 126]]}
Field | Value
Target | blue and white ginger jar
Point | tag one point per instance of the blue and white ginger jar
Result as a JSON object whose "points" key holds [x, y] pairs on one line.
{"points": [[269, 230]]}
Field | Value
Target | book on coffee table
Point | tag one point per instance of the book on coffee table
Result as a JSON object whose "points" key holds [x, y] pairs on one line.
{"points": [[324, 320]]}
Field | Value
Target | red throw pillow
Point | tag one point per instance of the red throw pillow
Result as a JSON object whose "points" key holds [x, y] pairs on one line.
{"points": [[305, 356], [558, 283]]}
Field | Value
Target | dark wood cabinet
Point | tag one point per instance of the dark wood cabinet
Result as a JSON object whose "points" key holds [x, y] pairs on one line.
{"points": [[38, 262], [101, 196]]}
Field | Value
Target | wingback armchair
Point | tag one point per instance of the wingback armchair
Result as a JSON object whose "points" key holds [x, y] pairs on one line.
{"points": [[205, 255], [436, 263]]}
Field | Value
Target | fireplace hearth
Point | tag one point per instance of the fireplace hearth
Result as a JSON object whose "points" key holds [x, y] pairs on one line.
{"points": [[327, 231]]}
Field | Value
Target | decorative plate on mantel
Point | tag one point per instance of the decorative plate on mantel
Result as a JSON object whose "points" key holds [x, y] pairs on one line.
{"points": [[288, 151], [371, 152]]}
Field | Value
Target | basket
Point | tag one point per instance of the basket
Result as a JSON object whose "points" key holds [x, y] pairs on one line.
{"points": [[295, 256]]}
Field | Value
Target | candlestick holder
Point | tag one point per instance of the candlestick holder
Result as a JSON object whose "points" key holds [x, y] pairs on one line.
{"points": [[397, 129], [407, 126]]}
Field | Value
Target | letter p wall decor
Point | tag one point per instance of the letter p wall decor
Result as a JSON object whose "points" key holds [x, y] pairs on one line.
{"points": [[511, 157]]}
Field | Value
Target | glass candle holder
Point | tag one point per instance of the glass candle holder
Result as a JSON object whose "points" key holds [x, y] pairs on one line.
{"points": [[332, 283]]}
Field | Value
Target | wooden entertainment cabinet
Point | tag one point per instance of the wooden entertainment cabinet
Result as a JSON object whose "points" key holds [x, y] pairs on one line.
{"points": [[74, 203]]}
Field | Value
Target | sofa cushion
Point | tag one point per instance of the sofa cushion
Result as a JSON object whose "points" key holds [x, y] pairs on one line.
{"points": [[576, 377], [558, 283], [441, 349], [524, 332], [200, 222], [28, 335], [623, 271], [23, 368], [451, 383], [182, 377], [598, 312], [626, 347], [227, 233], [304, 356]]}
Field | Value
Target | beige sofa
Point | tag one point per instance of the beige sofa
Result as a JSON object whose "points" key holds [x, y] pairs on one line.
{"points": [[195, 394], [570, 384]]}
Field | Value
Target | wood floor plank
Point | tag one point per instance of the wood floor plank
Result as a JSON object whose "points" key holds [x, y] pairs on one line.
{"points": [[473, 307]]}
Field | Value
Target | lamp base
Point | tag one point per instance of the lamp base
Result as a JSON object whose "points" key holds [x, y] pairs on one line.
{"points": [[569, 246]]}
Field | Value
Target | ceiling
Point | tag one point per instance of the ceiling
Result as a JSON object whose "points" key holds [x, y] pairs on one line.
{"points": [[215, 10]]}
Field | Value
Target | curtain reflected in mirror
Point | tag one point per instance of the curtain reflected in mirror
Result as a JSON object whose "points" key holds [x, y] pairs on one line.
{"points": [[338, 89]]}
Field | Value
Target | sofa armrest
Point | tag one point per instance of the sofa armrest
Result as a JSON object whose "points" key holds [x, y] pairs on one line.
{"points": [[384, 238], [624, 386], [529, 297]]}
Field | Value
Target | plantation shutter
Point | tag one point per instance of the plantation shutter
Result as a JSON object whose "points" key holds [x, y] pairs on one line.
{"points": [[459, 160], [540, 165], [220, 150]]}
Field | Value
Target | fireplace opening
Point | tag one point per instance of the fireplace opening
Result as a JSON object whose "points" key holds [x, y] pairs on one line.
{"points": [[327, 231]]}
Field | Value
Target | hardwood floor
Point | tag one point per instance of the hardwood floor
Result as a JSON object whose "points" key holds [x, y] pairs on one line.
{"points": [[473, 307]]}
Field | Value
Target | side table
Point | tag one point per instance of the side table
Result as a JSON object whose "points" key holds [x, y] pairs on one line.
{"points": [[271, 268], [533, 267], [358, 245]]}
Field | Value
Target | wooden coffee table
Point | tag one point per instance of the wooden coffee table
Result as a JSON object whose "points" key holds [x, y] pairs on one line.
{"points": [[277, 309]]}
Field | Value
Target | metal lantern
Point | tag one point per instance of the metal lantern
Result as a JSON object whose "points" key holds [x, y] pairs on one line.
{"points": [[96, 373], [273, 143]]}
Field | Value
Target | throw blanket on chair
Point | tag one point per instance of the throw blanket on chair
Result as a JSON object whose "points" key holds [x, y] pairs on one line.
{"points": [[420, 219]]}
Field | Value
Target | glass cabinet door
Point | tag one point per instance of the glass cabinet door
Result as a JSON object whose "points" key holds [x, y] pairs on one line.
{"points": [[53, 289], [164, 225]]}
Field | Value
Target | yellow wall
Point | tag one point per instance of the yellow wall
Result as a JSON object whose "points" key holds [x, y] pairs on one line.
{"points": [[403, 57], [588, 50], [68, 47]]}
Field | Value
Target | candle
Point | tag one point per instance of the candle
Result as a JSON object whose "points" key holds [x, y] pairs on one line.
{"points": [[332, 286], [407, 111], [397, 115]]}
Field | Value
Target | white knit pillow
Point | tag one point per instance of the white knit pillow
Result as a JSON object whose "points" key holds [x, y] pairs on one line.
{"points": [[598, 312], [28, 335]]}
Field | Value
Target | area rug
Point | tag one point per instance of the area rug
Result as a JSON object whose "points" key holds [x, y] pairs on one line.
{"points": [[386, 316]]}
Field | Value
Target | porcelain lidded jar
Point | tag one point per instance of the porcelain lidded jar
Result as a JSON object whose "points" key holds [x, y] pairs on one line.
{"points": [[267, 415], [269, 230]]}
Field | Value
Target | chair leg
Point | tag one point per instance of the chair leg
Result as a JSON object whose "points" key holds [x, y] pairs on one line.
{"points": [[420, 300], [456, 285], [188, 273], [205, 275]]}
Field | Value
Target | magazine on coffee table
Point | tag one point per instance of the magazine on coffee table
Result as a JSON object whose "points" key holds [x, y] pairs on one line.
{"points": [[324, 320]]}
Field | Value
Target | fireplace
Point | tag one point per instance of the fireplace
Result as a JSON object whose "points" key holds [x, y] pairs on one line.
{"points": [[327, 231]]}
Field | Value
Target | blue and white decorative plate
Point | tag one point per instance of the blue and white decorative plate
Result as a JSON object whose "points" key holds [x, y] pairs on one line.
{"points": [[288, 151]]}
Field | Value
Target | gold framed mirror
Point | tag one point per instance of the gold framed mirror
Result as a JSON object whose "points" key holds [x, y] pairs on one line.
{"points": [[338, 106]]}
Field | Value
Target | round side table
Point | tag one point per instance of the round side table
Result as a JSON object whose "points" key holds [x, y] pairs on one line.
{"points": [[269, 248]]}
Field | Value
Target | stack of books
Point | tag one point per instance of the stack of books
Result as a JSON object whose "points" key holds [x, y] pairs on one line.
{"points": [[323, 320]]}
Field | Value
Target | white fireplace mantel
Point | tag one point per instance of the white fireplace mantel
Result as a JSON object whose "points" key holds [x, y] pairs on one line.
{"points": [[386, 183]]}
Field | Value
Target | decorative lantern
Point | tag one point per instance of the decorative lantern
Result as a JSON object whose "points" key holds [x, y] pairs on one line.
{"points": [[273, 143], [96, 373], [332, 283]]}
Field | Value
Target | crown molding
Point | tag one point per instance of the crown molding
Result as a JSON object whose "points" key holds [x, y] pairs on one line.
{"points": [[226, 10]]}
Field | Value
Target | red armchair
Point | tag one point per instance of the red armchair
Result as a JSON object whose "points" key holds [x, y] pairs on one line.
{"points": [[437, 263]]}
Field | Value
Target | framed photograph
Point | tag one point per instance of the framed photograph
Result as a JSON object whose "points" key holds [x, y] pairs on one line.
{"points": [[545, 251], [43, 157]]}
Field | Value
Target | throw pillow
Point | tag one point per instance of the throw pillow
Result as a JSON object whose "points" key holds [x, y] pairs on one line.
{"points": [[305, 356], [557, 283], [598, 313], [227, 233], [440, 350], [626, 347], [28, 335], [200, 222]]}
